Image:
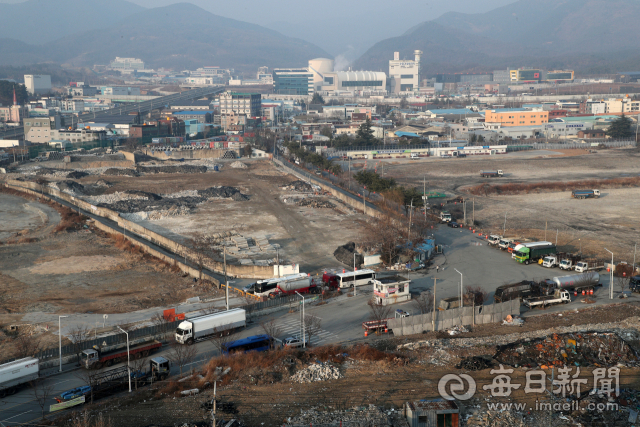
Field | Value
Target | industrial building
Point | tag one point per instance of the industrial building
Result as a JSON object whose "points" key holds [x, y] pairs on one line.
{"points": [[37, 84], [516, 118], [404, 74], [560, 76], [322, 72], [126, 64], [526, 75], [292, 81]]}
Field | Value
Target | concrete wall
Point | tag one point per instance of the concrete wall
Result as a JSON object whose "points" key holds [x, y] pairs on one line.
{"points": [[446, 319], [91, 165], [206, 153], [240, 271]]}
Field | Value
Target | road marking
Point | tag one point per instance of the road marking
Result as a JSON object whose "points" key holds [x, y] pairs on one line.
{"points": [[7, 419]]}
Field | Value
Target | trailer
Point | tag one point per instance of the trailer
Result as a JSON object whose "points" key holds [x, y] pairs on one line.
{"points": [[305, 285], [96, 358], [559, 297], [572, 283], [591, 264], [491, 174], [532, 252], [200, 327], [585, 194], [513, 291], [16, 374]]}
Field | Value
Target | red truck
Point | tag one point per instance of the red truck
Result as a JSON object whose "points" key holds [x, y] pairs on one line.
{"points": [[95, 358]]}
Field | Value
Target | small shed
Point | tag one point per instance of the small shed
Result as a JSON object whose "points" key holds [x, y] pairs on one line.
{"points": [[391, 290], [432, 413]]}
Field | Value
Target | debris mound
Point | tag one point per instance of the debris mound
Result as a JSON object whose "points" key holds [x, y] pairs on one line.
{"points": [[344, 254], [120, 172], [315, 203], [316, 372], [145, 194], [103, 183], [77, 174], [298, 186], [239, 197], [238, 165], [172, 169], [364, 416], [71, 186], [474, 363], [223, 192], [579, 349]]}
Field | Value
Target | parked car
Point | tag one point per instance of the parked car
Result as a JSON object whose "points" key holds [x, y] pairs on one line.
{"points": [[318, 172], [292, 342], [454, 225]]}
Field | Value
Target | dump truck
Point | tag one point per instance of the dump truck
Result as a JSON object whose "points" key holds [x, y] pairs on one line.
{"points": [[513, 291], [572, 283], [559, 297], [491, 174], [591, 264], [16, 374], [200, 327], [96, 357], [532, 252], [585, 194]]}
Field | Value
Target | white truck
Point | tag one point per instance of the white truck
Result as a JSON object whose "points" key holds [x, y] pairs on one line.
{"points": [[15, 374], [494, 239], [589, 265], [560, 296], [445, 216], [504, 243], [199, 327]]}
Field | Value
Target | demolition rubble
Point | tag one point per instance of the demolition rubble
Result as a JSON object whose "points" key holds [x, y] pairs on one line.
{"points": [[316, 372], [364, 416]]}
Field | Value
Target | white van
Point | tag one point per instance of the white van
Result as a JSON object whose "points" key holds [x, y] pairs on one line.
{"points": [[414, 156]]}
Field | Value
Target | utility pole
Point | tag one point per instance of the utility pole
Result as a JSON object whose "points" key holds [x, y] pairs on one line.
{"points": [[354, 275], [464, 208], [473, 215], [226, 283], [556, 237], [433, 315], [504, 227], [213, 406], [424, 197], [278, 261], [364, 201], [545, 230], [410, 212]]}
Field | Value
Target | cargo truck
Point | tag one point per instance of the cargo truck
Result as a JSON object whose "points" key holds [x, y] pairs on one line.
{"points": [[302, 285], [269, 287], [565, 261], [445, 216], [494, 239], [591, 264], [572, 283], [585, 194], [559, 297], [532, 252], [200, 327], [505, 242], [513, 291], [16, 374], [491, 174], [96, 358]]}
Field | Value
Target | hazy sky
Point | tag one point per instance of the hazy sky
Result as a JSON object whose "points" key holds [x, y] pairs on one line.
{"points": [[341, 27]]}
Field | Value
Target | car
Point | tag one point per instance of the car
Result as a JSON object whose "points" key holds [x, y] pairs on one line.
{"points": [[292, 342], [453, 224], [318, 172]]}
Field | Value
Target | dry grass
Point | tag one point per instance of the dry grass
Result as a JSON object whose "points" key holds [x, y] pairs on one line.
{"points": [[70, 220], [544, 187]]}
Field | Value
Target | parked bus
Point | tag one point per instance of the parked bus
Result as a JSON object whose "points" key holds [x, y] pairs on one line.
{"points": [[253, 343], [348, 279]]}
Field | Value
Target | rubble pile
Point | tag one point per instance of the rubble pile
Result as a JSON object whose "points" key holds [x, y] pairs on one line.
{"points": [[222, 192], [70, 187], [344, 254], [458, 329], [103, 183], [238, 165], [120, 172], [52, 172], [364, 416], [316, 372], [315, 203], [301, 186], [77, 175], [579, 349], [114, 197], [172, 169], [497, 419], [474, 363]]}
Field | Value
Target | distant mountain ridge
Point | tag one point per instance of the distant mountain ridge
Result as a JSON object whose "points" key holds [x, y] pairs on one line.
{"points": [[178, 36], [593, 36]]}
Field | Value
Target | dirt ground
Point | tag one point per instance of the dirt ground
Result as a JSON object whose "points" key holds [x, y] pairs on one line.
{"points": [[306, 235], [611, 221], [267, 396]]}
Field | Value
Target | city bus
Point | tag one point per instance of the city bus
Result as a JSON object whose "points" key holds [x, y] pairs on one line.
{"points": [[245, 345], [349, 278]]}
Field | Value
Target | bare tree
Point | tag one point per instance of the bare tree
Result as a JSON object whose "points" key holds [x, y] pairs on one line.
{"points": [[203, 249], [423, 303], [220, 338], [83, 419], [386, 234], [26, 345], [272, 329], [378, 312], [90, 378], [622, 275], [474, 295], [312, 326], [586, 280], [161, 322], [181, 354], [42, 391], [138, 365], [79, 335]]}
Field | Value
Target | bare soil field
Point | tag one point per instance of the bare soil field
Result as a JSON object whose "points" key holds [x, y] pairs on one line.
{"points": [[306, 235], [612, 220]]}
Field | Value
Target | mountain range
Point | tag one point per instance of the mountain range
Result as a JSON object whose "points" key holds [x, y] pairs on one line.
{"points": [[178, 36], [592, 36]]}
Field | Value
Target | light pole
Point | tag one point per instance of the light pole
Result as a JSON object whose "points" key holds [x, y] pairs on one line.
{"points": [[611, 281], [304, 332], [60, 341], [460, 286], [354, 274], [128, 365]]}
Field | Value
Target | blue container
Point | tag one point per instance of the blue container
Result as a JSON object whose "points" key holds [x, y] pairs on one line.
{"points": [[215, 168]]}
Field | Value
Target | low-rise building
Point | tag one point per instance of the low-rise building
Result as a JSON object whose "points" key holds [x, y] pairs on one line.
{"points": [[202, 116], [80, 135], [39, 129], [391, 290], [592, 133], [13, 113], [432, 413], [516, 118]]}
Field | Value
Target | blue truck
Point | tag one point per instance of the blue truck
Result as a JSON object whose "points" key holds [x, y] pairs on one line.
{"points": [[585, 194]]}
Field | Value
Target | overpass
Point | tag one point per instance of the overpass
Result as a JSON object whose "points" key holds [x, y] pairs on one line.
{"points": [[142, 107]]}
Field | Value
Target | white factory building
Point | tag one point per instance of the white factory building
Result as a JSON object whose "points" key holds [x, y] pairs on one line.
{"points": [[325, 80], [404, 73], [37, 84]]}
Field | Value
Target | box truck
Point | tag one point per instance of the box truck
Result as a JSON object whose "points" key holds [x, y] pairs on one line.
{"points": [[199, 327], [16, 374]]}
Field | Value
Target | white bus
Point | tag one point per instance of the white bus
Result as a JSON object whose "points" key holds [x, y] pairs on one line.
{"points": [[347, 280], [263, 288]]}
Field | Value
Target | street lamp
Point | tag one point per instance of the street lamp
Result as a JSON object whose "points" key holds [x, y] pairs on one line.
{"points": [[611, 268], [60, 341], [304, 332], [128, 365], [460, 286]]}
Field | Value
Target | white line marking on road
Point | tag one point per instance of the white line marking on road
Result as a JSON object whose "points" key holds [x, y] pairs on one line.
{"points": [[6, 419]]}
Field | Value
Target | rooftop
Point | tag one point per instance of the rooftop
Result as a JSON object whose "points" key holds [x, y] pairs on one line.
{"points": [[434, 405]]}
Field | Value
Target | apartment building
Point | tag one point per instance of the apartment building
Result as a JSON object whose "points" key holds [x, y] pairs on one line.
{"points": [[39, 129], [516, 118], [249, 104]]}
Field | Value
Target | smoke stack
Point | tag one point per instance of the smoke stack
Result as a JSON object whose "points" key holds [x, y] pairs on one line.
{"points": [[15, 101]]}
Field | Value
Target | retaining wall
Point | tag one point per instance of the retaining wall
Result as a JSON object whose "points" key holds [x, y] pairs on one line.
{"points": [[205, 153], [239, 271], [446, 319]]}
